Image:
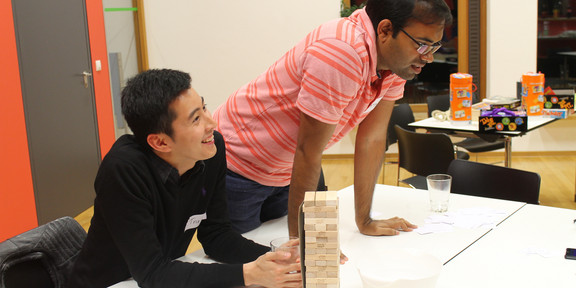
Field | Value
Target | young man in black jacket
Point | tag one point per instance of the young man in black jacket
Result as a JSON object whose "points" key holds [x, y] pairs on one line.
{"points": [[156, 188]]}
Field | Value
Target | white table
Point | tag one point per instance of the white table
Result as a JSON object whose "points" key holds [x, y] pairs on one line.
{"points": [[472, 129], [412, 205], [501, 258], [389, 201]]}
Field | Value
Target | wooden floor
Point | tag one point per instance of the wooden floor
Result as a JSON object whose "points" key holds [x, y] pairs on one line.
{"points": [[557, 171]]}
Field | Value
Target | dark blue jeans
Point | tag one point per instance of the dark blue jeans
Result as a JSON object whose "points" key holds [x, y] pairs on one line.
{"points": [[251, 203]]}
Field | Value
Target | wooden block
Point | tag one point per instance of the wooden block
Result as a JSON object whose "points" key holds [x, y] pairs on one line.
{"points": [[309, 198], [319, 209], [313, 214], [309, 227], [312, 239], [315, 245], [319, 220], [309, 240], [310, 263], [314, 268], [323, 281], [324, 251], [331, 215], [320, 227], [331, 198], [320, 262], [312, 274], [320, 198], [326, 257], [327, 280], [331, 235]]}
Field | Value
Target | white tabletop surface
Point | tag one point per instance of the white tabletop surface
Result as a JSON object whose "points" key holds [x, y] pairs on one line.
{"points": [[567, 53], [389, 201], [526, 250], [412, 205], [533, 122]]}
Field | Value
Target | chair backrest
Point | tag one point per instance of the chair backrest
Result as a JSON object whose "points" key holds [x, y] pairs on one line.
{"points": [[402, 115], [424, 153], [485, 180], [438, 102], [41, 257]]}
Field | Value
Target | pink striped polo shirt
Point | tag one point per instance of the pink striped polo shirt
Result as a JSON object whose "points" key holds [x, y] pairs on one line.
{"points": [[330, 75]]}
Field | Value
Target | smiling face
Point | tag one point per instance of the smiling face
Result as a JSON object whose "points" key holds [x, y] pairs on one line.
{"points": [[400, 54], [192, 138]]}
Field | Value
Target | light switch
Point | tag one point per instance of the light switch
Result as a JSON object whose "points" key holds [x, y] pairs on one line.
{"points": [[98, 65]]}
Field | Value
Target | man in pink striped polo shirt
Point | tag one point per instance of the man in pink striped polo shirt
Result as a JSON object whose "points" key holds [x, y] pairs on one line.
{"points": [[345, 73]]}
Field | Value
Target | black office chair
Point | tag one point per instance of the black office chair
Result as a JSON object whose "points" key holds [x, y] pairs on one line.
{"points": [[402, 115], [474, 145], [486, 180], [423, 154], [41, 257]]}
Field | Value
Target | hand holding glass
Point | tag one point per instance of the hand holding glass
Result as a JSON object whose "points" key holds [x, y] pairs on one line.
{"points": [[439, 189], [287, 244]]}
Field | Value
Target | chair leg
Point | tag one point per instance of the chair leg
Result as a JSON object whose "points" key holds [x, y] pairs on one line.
{"points": [[398, 176]]}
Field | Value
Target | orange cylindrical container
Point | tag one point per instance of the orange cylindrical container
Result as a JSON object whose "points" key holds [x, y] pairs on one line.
{"points": [[461, 98], [533, 93]]}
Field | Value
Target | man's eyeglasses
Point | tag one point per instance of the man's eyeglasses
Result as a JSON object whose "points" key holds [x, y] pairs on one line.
{"points": [[424, 49]]}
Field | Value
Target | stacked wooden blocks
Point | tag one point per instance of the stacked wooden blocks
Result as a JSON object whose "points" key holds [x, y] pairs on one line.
{"points": [[322, 249]]}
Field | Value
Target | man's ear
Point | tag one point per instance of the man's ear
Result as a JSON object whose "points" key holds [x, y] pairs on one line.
{"points": [[385, 30], [159, 142]]}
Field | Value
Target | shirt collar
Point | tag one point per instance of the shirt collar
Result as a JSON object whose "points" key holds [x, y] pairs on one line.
{"points": [[361, 18], [167, 171]]}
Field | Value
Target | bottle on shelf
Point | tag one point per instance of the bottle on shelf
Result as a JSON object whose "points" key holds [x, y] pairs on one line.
{"points": [[558, 9]]}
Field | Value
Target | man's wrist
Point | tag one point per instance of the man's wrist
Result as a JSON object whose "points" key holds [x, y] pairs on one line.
{"points": [[246, 269]]}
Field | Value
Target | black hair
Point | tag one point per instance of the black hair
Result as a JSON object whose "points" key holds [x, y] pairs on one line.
{"points": [[399, 12], [146, 101]]}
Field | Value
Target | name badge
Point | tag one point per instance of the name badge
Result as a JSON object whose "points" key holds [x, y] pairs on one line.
{"points": [[372, 106], [194, 221]]}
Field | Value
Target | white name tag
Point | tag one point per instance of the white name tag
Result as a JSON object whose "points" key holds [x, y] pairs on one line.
{"points": [[194, 221], [372, 106]]}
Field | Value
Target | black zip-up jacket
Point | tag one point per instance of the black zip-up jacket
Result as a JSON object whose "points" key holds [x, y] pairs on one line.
{"points": [[141, 210]]}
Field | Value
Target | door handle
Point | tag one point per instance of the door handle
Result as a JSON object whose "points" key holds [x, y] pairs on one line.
{"points": [[85, 75]]}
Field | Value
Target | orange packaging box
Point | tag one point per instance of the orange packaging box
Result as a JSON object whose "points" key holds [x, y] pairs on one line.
{"points": [[533, 93], [461, 98]]}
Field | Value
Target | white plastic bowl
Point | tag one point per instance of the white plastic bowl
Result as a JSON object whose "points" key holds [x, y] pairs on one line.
{"points": [[402, 268]]}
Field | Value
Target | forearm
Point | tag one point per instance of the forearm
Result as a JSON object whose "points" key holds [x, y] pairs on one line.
{"points": [[305, 175], [368, 159], [313, 136], [370, 149]]}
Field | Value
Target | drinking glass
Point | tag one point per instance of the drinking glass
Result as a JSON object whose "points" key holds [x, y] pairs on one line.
{"points": [[288, 244], [439, 190]]}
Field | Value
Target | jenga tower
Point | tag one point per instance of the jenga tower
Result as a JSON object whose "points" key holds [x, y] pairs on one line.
{"points": [[322, 248]]}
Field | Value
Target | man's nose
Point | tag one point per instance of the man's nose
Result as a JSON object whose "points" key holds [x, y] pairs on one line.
{"points": [[429, 58]]}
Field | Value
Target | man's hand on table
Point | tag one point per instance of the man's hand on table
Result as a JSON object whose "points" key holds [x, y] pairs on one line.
{"points": [[388, 227]]}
